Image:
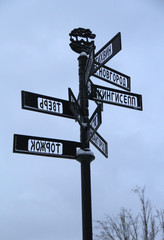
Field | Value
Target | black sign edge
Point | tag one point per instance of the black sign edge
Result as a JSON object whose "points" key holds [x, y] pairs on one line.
{"points": [[45, 96], [134, 108], [47, 138], [44, 154]]}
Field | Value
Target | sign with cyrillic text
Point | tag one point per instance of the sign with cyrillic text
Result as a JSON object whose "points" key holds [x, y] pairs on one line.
{"points": [[98, 141], [108, 51], [45, 146], [74, 106], [94, 122], [116, 97], [114, 77], [45, 104]]}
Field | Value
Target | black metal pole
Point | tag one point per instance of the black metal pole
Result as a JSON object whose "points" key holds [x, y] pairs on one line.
{"points": [[83, 99], [86, 200], [85, 156]]}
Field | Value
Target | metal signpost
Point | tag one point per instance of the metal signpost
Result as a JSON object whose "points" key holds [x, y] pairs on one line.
{"points": [[90, 65]]}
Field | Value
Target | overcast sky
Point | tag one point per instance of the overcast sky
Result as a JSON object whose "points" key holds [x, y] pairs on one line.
{"points": [[40, 197]]}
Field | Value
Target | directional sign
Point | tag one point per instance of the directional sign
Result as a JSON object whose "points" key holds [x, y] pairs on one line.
{"points": [[108, 51], [94, 122], [89, 64], [114, 77], [45, 146], [74, 106], [99, 143], [116, 97], [45, 104]]}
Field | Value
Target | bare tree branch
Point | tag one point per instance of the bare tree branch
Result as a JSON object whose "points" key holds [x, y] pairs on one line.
{"points": [[160, 215], [125, 226], [146, 212], [121, 227]]}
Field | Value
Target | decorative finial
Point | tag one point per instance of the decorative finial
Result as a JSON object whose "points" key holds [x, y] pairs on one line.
{"points": [[79, 38]]}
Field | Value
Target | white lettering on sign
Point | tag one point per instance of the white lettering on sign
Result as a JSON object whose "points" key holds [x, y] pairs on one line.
{"points": [[94, 122], [42, 146], [50, 105], [102, 56], [99, 143], [111, 76], [121, 98]]}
